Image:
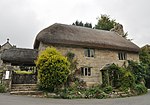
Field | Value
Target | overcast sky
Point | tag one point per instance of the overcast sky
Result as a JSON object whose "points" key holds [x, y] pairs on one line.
{"points": [[21, 20]]}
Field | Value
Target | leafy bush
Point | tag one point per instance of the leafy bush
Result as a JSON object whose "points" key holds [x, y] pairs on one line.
{"points": [[95, 92], [140, 89], [127, 81], [70, 93], [138, 70], [2, 88], [53, 69], [108, 89], [120, 77], [145, 60], [127, 78]]}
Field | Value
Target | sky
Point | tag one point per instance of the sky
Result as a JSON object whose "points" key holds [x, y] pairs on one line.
{"points": [[22, 20]]}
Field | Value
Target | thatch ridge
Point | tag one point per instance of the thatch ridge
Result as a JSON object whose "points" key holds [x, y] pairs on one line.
{"points": [[84, 37]]}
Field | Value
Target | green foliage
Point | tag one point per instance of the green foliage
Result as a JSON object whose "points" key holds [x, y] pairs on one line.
{"points": [[92, 92], [73, 62], [95, 92], [120, 77], [70, 93], [77, 23], [144, 56], [138, 70], [108, 89], [2, 88], [140, 89], [127, 81], [73, 67], [76, 90], [105, 23], [23, 72], [53, 69]]}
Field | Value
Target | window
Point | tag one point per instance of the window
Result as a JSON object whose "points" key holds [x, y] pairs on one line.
{"points": [[122, 56], [89, 52], [85, 71]]}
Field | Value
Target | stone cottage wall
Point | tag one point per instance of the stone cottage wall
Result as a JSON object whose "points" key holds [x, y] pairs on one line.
{"points": [[101, 58]]}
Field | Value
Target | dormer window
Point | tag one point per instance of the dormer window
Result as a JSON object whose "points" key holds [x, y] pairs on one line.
{"points": [[89, 52]]}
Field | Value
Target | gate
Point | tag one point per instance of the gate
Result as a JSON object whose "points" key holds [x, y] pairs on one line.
{"points": [[24, 78]]}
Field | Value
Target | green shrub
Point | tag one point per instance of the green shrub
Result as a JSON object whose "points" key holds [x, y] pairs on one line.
{"points": [[120, 77], [127, 81], [138, 70], [53, 69], [108, 89], [95, 92], [2, 88], [140, 89], [73, 92]]}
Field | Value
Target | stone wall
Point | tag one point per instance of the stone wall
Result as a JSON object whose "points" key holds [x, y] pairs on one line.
{"points": [[101, 58]]}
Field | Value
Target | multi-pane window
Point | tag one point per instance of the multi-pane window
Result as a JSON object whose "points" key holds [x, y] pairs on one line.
{"points": [[85, 71], [122, 56], [89, 52]]}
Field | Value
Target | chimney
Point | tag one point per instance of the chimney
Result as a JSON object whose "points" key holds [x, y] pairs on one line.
{"points": [[118, 28]]}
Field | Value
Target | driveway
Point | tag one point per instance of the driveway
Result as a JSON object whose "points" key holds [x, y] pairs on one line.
{"points": [[6, 99]]}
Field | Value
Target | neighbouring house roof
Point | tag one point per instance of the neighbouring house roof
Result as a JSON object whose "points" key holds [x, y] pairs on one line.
{"points": [[19, 56], [84, 37], [5, 46]]}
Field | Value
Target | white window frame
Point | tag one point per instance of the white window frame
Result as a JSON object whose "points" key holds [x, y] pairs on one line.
{"points": [[89, 52], [85, 71], [122, 55]]}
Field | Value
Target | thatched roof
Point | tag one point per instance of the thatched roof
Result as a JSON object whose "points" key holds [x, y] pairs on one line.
{"points": [[19, 56], [84, 37]]}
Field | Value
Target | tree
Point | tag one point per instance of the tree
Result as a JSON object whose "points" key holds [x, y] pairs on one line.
{"points": [[144, 56], [89, 25], [53, 69], [77, 23], [105, 23]]}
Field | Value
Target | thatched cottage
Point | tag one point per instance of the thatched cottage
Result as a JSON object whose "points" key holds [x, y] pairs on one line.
{"points": [[93, 48]]}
